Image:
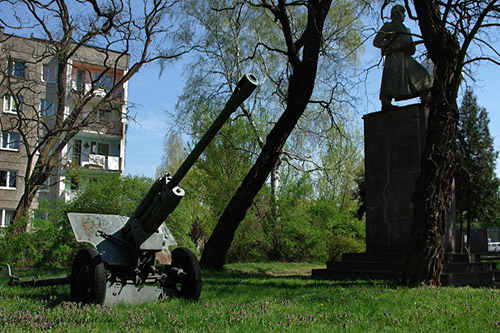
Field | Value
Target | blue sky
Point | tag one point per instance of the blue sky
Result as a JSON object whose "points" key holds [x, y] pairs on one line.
{"points": [[152, 96], [155, 95]]}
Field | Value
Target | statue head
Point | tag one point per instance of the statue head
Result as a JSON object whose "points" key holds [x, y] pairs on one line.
{"points": [[398, 13]]}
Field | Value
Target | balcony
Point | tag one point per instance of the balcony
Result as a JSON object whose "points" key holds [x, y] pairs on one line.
{"points": [[78, 89], [106, 128], [102, 162]]}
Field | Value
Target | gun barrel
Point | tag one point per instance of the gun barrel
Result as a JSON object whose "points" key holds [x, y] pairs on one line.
{"points": [[244, 88], [165, 195]]}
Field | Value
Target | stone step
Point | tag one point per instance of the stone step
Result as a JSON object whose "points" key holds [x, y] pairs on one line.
{"points": [[395, 257], [355, 274], [366, 266], [480, 278], [451, 267], [468, 278], [487, 257], [457, 270], [456, 257], [389, 266]]}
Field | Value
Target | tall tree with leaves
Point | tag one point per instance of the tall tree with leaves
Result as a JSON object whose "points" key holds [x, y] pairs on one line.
{"points": [[237, 37], [455, 34], [68, 30], [301, 26], [477, 186]]}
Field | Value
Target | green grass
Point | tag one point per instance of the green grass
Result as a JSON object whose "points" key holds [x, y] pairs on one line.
{"points": [[260, 298]]}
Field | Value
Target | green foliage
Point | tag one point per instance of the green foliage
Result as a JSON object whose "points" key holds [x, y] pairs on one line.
{"points": [[309, 230], [305, 227], [180, 224], [250, 243], [477, 186], [210, 184], [112, 194], [340, 244], [106, 193], [49, 243], [245, 38], [305, 230]]}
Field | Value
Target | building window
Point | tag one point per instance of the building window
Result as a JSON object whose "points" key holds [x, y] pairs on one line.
{"points": [[105, 81], [48, 73], [46, 108], [103, 115], [99, 148], [12, 104], [79, 81], [10, 141], [76, 156], [16, 68], [8, 179], [73, 182], [46, 185], [5, 217]]}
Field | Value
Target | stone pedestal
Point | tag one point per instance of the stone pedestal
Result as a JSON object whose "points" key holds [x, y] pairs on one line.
{"points": [[394, 142]]}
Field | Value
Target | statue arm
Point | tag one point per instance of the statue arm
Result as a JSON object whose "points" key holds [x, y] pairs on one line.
{"points": [[381, 38], [411, 48]]}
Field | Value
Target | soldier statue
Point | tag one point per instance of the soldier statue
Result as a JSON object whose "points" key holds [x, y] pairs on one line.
{"points": [[403, 77]]}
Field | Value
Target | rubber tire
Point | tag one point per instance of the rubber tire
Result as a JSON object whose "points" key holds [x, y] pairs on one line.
{"points": [[190, 285], [88, 277]]}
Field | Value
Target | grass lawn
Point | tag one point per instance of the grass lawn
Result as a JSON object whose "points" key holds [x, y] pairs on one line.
{"points": [[260, 298]]}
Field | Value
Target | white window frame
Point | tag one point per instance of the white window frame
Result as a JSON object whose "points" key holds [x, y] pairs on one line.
{"points": [[10, 141], [3, 212], [48, 73], [46, 108], [8, 180], [9, 104]]}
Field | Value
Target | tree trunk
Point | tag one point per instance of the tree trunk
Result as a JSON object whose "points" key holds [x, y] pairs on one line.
{"points": [[433, 189], [431, 202], [275, 186], [461, 242], [214, 255], [468, 235], [22, 214], [300, 89]]}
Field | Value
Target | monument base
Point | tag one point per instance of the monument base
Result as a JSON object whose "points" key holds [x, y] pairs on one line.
{"points": [[458, 269], [394, 143]]}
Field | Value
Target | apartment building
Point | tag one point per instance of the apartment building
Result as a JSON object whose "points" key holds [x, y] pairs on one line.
{"points": [[28, 97]]}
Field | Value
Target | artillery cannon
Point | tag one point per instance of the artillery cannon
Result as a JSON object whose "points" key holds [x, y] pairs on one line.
{"points": [[131, 261]]}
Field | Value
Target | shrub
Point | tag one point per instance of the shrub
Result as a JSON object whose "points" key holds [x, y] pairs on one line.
{"points": [[49, 243], [340, 244], [250, 243]]}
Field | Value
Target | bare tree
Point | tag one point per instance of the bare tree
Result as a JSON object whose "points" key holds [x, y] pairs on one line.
{"points": [[456, 34], [69, 30]]}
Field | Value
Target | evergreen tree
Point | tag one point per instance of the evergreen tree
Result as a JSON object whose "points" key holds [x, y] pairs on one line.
{"points": [[477, 186]]}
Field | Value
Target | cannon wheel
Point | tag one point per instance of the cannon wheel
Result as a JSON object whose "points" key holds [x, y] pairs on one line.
{"points": [[88, 277], [189, 284]]}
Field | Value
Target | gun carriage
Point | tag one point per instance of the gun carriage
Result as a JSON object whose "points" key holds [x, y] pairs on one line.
{"points": [[131, 261]]}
